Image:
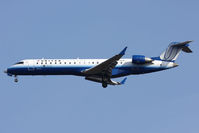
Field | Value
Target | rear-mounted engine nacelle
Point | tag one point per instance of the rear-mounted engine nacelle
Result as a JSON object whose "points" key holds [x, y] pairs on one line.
{"points": [[141, 59]]}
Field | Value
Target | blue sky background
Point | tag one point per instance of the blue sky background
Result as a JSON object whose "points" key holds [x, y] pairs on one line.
{"points": [[163, 102]]}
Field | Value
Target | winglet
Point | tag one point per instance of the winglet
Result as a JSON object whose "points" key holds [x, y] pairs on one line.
{"points": [[123, 81], [123, 51]]}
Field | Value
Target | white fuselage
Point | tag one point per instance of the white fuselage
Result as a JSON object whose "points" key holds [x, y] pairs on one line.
{"points": [[76, 66]]}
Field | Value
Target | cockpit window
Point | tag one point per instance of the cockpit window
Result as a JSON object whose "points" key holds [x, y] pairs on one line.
{"points": [[19, 63]]}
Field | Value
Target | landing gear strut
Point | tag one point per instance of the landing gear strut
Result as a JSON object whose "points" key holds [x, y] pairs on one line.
{"points": [[16, 79], [104, 81]]}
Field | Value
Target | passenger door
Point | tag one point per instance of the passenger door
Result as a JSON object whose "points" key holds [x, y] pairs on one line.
{"points": [[31, 66]]}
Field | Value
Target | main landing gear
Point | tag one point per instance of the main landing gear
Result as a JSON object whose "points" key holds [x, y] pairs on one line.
{"points": [[104, 81], [104, 85], [16, 79]]}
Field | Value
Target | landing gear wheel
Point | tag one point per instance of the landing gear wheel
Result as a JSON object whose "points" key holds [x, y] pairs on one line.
{"points": [[104, 85], [16, 80]]}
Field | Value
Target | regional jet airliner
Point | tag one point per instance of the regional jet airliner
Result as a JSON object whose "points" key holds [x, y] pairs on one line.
{"points": [[101, 70]]}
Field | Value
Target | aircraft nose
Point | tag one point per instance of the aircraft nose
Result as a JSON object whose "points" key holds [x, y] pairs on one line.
{"points": [[6, 71], [175, 65]]}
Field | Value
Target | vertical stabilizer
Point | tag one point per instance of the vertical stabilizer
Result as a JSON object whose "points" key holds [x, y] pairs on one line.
{"points": [[173, 50]]}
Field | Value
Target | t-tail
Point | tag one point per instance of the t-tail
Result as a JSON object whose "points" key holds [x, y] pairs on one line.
{"points": [[174, 49]]}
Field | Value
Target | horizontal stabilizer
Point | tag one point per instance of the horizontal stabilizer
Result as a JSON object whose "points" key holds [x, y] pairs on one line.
{"points": [[187, 50]]}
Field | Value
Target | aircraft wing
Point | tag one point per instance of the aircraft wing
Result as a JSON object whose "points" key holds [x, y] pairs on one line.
{"points": [[105, 68]]}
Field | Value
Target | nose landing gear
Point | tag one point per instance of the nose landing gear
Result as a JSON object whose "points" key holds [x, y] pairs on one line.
{"points": [[16, 79]]}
